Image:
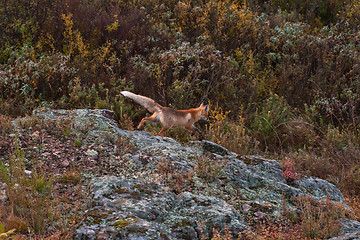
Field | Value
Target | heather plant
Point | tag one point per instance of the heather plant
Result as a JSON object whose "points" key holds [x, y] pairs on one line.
{"points": [[289, 171], [178, 180], [207, 168], [217, 235]]}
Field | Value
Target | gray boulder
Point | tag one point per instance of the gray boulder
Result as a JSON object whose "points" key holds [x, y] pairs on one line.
{"points": [[350, 230], [136, 202], [320, 188], [128, 209], [348, 236]]}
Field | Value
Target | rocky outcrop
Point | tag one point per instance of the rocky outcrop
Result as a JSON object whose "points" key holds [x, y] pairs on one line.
{"points": [[128, 209], [351, 230], [216, 187], [348, 236]]}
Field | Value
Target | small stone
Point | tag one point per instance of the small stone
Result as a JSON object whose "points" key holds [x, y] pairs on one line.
{"points": [[259, 214], [35, 134], [65, 163], [246, 207], [91, 153]]}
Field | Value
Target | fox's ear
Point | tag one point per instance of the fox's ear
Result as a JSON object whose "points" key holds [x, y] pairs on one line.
{"points": [[204, 103], [206, 108]]}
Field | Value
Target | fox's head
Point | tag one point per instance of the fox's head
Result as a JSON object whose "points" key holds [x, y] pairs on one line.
{"points": [[204, 112]]}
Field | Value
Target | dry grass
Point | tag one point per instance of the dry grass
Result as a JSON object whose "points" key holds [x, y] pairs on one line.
{"points": [[29, 205]]}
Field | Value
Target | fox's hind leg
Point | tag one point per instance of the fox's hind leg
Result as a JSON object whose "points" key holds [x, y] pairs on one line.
{"points": [[153, 118]]}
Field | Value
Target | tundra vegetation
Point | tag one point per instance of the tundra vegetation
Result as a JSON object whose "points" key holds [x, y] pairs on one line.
{"points": [[282, 79]]}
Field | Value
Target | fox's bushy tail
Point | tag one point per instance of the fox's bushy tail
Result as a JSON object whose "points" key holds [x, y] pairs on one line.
{"points": [[146, 102]]}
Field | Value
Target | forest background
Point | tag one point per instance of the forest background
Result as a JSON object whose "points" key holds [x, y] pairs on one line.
{"points": [[282, 77]]}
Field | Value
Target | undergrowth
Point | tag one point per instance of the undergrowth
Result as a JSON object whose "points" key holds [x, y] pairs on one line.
{"points": [[282, 78], [29, 204]]}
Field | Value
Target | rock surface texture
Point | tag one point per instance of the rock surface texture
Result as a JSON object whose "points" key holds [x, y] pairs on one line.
{"points": [[158, 189]]}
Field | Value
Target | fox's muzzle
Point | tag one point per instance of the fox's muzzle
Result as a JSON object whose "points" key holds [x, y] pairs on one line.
{"points": [[204, 119]]}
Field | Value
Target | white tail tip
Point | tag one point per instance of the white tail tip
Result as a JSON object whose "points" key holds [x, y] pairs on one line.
{"points": [[125, 93]]}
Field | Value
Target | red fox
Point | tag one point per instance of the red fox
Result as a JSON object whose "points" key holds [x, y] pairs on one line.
{"points": [[169, 117]]}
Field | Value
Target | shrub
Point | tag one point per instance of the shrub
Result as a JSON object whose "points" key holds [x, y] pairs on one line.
{"points": [[230, 134], [299, 133], [350, 13], [268, 122], [317, 13], [185, 75], [308, 163], [350, 181], [5, 125], [319, 219], [29, 80], [226, 24], [314, 219]]}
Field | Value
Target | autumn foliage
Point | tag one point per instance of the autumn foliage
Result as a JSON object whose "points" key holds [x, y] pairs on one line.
{"points": [[281, 77]]}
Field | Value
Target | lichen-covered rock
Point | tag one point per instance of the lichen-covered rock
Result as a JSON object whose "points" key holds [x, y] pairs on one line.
{"points": [[348, 236], [128, 209], [350, 230], [136, 200], [350, 225], [320, 188], [208, 146]]}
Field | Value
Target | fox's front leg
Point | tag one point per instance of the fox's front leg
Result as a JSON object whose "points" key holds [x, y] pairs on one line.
{"points": [[193, 129], [162, 131]]}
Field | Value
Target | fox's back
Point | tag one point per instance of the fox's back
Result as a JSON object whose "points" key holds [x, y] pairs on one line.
{"points": [[173, 117]]}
